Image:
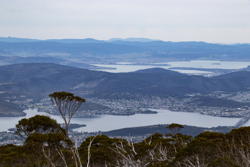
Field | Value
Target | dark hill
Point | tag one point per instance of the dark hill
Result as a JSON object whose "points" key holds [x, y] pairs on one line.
{"points": [[43, 78], [235, 81], [37, 80]]}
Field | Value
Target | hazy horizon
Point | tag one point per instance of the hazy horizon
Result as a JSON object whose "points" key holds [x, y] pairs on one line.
{"points": [[223, 21], [126, 38]]}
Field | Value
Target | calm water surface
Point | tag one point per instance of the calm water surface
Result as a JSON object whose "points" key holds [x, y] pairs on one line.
{"points": [[111, 122], [209, 64]]}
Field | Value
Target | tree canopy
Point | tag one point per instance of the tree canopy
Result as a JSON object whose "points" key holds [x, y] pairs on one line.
{"points": [[38, 124]]}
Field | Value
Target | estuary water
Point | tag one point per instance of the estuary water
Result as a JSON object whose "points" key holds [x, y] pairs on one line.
{"points": [[200, 64], [112, 122]]}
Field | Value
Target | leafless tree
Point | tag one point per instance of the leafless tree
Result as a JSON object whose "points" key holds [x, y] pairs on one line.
{"points": [[48, 156], [128, 155], [89, 151], [193, 161], [237, 150]]}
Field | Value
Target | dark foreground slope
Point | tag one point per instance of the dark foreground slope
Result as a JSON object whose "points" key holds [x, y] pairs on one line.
{"points": [[144, 131], [41, 78]]}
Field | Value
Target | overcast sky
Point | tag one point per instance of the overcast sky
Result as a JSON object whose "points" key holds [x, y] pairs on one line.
{"points": [[220, 21]]}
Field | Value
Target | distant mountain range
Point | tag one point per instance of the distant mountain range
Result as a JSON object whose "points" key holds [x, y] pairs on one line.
{"points": [[85, 40], [132, 49], [37, 80]]}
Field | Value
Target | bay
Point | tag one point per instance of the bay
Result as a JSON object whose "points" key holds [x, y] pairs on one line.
{"points": [[112, 122]]}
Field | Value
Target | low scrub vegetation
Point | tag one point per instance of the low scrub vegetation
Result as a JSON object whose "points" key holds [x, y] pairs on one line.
{"points": [[48, 145]]}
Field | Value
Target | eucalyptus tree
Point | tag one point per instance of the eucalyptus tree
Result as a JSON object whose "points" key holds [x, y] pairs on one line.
{"points": [[37, 124], [67, 105]]}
